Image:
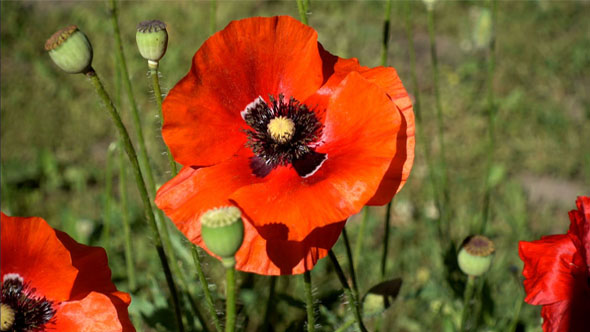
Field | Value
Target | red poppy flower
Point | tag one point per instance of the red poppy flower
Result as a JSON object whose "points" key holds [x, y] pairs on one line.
{"points": [[52, 283], [296, 137], [557, 272]]}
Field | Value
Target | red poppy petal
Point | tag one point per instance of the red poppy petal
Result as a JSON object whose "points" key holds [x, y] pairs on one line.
{"points": [[548, 269], [580, 228], [359, 139], [31, 249], [279, 256], [193, 191], [95, 312], [249, 58], [92, 263], [387, 79], [571, 315]]}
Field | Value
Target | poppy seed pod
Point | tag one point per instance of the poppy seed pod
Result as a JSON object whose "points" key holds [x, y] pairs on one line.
{"points": [[152, 39], [475, 256], [222, 230], [70, 49]]}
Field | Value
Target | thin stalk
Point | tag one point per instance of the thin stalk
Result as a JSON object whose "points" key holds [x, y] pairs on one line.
{"points": [[108, 192], [386, 240], [124, 135], [466, 299], [158, 94], [125, 218], [230, 299], [417, 111], [205, 287], [302, 7], [444, 213], [353, 299], [360, 235], [385, 41], [309, 305], [269, 303], [491, 121], [212, 16], [143, 155], [350, 263]]}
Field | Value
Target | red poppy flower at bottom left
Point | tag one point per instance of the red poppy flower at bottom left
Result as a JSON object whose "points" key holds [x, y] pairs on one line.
{"points": [[60, 284]]}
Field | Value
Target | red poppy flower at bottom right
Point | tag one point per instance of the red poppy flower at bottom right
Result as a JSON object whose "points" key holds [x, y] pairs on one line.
{"points": [[557, 272]]}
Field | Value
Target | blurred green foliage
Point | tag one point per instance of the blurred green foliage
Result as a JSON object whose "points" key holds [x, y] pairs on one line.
{"points": [[55, 138]]}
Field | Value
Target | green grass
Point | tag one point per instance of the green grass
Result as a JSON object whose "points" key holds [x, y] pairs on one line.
{"points": [[54, 141]]}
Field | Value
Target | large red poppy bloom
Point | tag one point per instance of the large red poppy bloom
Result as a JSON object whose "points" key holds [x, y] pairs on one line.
{"points": [[52, 283], [297, 138], [557, 272]]}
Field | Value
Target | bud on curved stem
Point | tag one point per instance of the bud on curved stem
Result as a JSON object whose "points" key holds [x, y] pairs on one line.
{"points": [[70, 50]]}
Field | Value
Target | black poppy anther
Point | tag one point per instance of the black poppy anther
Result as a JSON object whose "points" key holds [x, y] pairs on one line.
{"points": [[28, 312], [283, 133]]}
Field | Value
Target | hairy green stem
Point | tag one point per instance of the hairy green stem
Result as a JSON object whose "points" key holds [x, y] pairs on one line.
{"points": [[230, 299], [302, 6], [466, 299], [352, 298], [205, 287], [124, 135], [309, 305], [143, 155], [360, 235], [486, 211], [158, 94], [385, 41]]}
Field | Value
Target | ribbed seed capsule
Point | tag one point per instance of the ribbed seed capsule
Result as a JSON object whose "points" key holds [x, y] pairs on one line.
{"points": [[70, 50]]}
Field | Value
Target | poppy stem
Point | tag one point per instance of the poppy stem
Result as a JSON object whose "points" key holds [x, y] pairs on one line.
{"points": [[124, 135], [108, 193], [358, 246], [386, 240], [212, 16], [302, 6], [418, 113], [385, 44], [269, 303], [205, 287], [491, 121], [350, 261], [125, 218], [230, 299], [466, 299], [153, 65], [351, 296], [309, 305], [444, 206]]}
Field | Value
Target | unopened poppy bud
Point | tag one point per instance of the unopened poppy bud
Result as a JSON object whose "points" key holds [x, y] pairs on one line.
{"points": [[70, 49], [475, 256], [222, 230], [152, 39]]}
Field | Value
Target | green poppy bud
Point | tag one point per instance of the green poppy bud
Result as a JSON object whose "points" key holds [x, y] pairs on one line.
{"points": [[475, 256], [222, 230], [70, 49], [152, 39]]}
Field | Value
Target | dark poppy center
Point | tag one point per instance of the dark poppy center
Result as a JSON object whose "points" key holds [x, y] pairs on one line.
{"points": [[21, 309], [283, 133]]}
